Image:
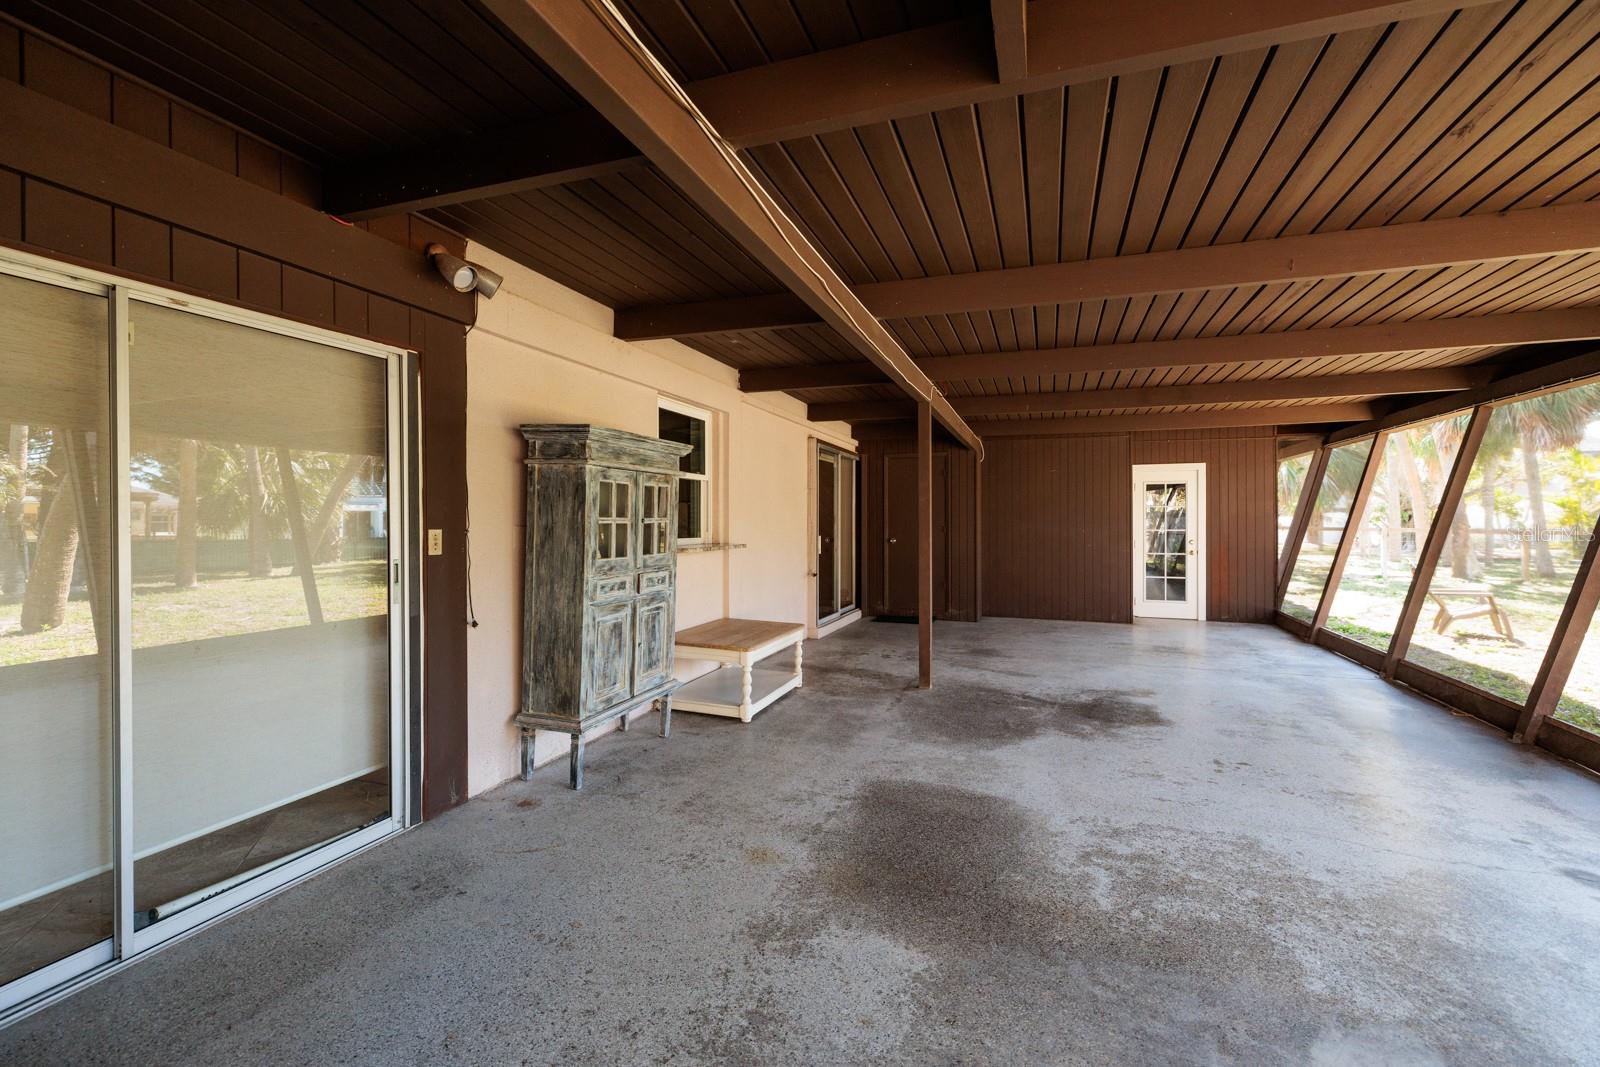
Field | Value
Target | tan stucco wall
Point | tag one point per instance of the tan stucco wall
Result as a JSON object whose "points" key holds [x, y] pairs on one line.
{"points": [[543, 353]]}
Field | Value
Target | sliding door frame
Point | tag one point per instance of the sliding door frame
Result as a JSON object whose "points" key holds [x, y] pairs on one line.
{"points": [[59, 979]]}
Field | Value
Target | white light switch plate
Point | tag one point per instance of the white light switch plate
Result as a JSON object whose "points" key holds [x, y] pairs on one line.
{"points": [[435, 542]]}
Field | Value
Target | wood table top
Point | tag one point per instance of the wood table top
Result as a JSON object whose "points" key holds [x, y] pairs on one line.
{"points": [[737, 635]]}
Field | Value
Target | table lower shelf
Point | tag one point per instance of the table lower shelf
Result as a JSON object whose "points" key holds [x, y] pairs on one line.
{"points": [[722, 691]]}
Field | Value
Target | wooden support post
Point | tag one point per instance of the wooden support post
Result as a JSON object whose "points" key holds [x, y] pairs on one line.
{"points": [[1341, 555], [924, 545], [1302, 518], [1565, 644], [297, 534], [1438, 534]]}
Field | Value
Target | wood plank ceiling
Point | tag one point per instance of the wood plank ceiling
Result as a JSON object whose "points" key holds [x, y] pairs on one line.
{"points": [[1462, 110]]}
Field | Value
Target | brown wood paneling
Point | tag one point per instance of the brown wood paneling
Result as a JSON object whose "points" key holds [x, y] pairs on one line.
{"points": [[10, 205], [308, 296], [208, 266], [260, 281], [1241, 513], [144, 245], [10, 53], [444, 577], [68, 78], [955, 589], [66, 222], [1056, 536]]}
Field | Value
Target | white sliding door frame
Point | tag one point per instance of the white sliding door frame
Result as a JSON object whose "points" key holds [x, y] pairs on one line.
{"points": [[127, 944]]}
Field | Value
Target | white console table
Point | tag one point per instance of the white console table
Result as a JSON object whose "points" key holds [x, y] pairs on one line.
{"points": [[738, 688]]}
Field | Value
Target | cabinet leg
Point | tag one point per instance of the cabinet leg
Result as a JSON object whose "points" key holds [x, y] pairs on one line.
{"points": [[799, 654], [665, 704], [577, 761], [622, 722], [527, 755], [744, 691]]}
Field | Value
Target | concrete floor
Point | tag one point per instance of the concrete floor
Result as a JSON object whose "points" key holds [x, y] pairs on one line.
{"points": [[1163, 843]]}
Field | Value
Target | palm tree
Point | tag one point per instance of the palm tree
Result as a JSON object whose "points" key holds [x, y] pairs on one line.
{"points": [[1542, 423]]}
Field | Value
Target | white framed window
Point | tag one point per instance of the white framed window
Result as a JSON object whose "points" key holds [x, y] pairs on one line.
{"points": [[689, 425]]}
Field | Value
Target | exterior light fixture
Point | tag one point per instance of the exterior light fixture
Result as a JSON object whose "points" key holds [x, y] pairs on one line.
{"points": [[463, 277]]}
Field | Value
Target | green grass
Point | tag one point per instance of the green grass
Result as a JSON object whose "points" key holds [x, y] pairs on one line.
{"points": [[1368, 604], [218, 607]]}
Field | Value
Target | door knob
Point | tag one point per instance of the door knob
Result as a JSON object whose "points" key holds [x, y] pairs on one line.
{"points": [[892, 541]]}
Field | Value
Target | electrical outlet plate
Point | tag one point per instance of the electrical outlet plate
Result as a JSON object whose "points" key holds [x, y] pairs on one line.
{"points": [[435, 542]]}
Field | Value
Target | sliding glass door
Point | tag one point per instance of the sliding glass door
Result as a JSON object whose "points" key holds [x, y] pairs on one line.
{"points": [[202, 598], [57, 698], [836, 532]]}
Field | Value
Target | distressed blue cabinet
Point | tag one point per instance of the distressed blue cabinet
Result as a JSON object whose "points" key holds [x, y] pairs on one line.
{"points": [[599, 580]]}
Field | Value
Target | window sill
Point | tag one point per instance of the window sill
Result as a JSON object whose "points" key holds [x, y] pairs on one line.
{"points": [[708, 546]]}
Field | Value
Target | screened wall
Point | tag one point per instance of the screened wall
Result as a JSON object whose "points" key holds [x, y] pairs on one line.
{"points": [[1481, 533]]}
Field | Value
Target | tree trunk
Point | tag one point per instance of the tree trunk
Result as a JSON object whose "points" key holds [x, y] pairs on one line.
{"points": [[44, 605], [184, 573], [1420, 517], [1460, 546], [1314, 528], [1542, 564], [260, 534], [13, 542], [331, 507], [1486, 499]]}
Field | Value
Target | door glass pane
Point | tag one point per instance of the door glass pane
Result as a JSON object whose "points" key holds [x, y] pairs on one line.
{"points": [[260, 601], [846, 548], [827, 523], [1515, 543], [1291, 479], [56, 717], [1389, 533], [1166, 541], [1327, 524], [1580, 699]]}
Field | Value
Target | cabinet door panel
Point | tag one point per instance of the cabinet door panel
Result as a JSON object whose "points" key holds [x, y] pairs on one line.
{"points": [[613, 521], [608, 639], [652, 664], [657, 521]]}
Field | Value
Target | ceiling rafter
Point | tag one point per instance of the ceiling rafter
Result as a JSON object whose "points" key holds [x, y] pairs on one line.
{"points": [[1536, 232], [1484, 331], [1305, 415], [1393, 383]]}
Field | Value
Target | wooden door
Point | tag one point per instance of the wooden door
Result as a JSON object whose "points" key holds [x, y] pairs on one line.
{"points": [[608, 649], [900, 534], [652, 640]]}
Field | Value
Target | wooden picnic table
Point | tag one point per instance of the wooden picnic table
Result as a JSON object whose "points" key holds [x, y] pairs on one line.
{"points": [[1482, 597]]}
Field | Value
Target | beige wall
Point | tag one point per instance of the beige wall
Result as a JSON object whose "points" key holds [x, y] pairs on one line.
{"points": [[542, 353]]}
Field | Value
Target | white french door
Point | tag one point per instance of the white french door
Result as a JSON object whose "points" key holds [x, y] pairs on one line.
{"points": [[206, 549], [1169, 557]]}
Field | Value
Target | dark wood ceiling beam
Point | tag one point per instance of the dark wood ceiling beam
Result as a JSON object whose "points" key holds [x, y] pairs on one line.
{"points": [[1009, 19], [1547, 231], [565, 148], [1485, 331], [610, 68], [952, 64], [1395, 383], [1302, 415]]}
